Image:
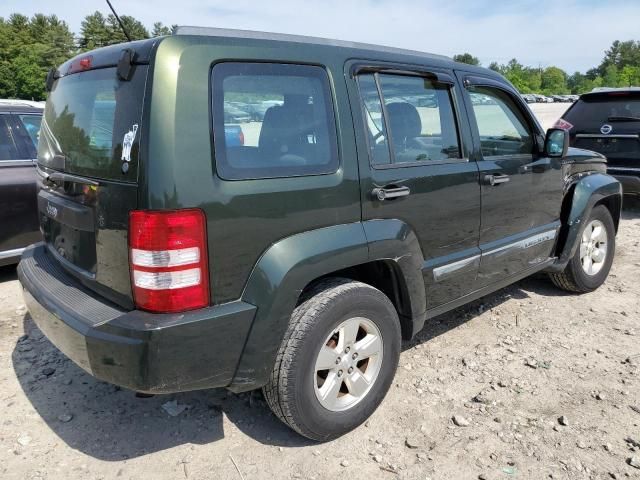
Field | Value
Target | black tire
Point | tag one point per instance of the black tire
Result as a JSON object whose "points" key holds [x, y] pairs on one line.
{"points": [[290, 392], [573, 278]]}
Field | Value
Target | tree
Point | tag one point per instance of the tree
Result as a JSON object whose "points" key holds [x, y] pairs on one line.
{"points": [[159, 29], [466, 58], [94, 32], [610, 76], [135, 29], [28, 49], [554, 81], [99, 31], [495, 66], [629, 76]]}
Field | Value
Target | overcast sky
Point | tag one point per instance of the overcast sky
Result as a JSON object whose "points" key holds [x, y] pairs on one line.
{"points": [[571, 34]]}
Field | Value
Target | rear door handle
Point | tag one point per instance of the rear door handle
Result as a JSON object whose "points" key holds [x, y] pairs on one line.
{"points": [[384, 193], [495, 179]]}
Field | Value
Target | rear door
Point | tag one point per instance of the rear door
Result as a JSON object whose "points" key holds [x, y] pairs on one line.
{"points": [[88, 161], [414, 167], [18, 209], [521, 188]]}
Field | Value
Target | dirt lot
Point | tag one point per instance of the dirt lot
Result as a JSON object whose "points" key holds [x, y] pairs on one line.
{"points": [[547, 384]]}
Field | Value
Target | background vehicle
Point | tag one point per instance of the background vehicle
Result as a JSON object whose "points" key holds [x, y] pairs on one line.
{"points": [[608, 121], [298, 259], [19, 130]]}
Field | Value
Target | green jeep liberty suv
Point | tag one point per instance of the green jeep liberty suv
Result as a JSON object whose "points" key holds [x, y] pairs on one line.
{"points": [[247, 210]]}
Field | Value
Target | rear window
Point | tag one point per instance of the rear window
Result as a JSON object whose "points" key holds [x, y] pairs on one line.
{"points": [[91, 124], [272, 120], [593, 111]]}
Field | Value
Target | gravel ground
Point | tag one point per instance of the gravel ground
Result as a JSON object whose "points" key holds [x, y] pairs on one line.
{"points": [[526, 383]]}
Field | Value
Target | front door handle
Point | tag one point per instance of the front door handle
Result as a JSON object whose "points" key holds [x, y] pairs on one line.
{"points": [[385, 193], [495, 179]]}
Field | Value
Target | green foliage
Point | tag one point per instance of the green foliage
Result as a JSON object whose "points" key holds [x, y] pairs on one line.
{"points": [[620, 67], [29, 47], [99, 31], [554, 81], [466, 58], [159, 29]]}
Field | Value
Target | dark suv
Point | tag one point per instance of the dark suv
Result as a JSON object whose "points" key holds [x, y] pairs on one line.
{"points": [[382, 187], [19, 129], [608, 121]]}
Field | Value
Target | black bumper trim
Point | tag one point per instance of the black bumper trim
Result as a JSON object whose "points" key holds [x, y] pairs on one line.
{"points": [[153, 353], [630, 183]]}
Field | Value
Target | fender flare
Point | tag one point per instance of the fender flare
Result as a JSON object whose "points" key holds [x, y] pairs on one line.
{"points": [[289, 265], [586, 192]]}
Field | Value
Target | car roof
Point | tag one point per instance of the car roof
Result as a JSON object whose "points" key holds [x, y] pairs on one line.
{"points": [[21, 106], [365, 48], [600, 91], [285, 37]]}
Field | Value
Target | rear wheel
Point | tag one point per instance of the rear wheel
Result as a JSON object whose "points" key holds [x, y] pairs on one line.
{"points": [[337, 360], [590, 265]]}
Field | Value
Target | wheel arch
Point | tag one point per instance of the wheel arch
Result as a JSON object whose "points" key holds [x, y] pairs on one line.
{"points": [[292, 265], [582, 194]]}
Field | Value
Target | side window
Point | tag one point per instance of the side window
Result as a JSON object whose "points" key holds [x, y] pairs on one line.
{"points": [[418, 114], [8, 149], [29, 127], [272, 120], [502, 126]]}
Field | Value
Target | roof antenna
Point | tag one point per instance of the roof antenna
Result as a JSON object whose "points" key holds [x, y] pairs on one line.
{"points": [[126, 34]]}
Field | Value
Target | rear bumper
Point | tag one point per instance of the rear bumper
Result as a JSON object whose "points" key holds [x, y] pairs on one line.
{"points": [[152, 353]]}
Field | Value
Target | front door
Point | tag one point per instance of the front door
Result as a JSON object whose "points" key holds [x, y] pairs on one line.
{"points": [[521, 188], [414, 167]]}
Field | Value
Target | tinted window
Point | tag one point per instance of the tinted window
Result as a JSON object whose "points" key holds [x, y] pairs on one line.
{"points": [[593, 111], [376, 128], [419, 116], [502, 127], [91, 122], [29, 126], [8, 150], [272, 120]]}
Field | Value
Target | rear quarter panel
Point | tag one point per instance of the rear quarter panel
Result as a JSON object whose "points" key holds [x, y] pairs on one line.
{"points": [[244, 217]]}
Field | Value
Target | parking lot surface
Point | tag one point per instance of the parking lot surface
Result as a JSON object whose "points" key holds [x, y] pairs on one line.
{"points": [[542, 384]]}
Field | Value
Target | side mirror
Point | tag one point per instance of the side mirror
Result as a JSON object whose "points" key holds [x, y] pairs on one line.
{"points": [[556, 144]]}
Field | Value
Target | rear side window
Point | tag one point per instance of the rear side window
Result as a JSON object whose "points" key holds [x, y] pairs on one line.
{"points": [[416, 124], [8, 150], [272, 120], [31, 124], [29, 127]]}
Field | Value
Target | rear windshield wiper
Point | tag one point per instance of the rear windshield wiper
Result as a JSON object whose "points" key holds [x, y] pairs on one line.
{"points": [[623, 119], [60, 177]]}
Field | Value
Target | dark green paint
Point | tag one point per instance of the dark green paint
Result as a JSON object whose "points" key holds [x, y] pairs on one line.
{"points": [[268, 239]]}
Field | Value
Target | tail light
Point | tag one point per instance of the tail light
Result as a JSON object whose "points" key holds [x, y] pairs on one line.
{"points": [[168, 259]]}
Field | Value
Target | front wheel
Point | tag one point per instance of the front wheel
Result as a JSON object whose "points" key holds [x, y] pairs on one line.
{"points": [[337, 360], [590, 265]]}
